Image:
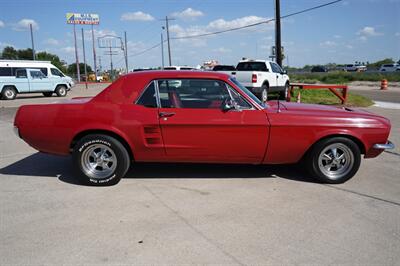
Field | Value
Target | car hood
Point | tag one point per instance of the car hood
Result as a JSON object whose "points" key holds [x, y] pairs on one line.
{"points": [[330, 114]]}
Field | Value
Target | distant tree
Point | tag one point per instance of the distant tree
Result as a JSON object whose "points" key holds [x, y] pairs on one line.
{"points": [[72, 68], [55, 60], [377, 64], [9, 52], [25, 54]]}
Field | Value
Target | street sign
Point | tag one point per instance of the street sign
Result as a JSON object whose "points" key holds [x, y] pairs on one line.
{"points": [[84, 19]]}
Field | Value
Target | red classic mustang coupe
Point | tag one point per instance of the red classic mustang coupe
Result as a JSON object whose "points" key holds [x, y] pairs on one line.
{"points": [[199, 117]]}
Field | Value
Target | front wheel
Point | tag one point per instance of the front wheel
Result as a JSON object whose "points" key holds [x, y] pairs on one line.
{"points": [[100, 160], [61, 91], [334, 160], [284, 94]]}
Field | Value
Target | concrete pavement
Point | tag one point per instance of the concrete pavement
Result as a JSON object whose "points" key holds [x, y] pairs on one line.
{"points": [[195, 214]]}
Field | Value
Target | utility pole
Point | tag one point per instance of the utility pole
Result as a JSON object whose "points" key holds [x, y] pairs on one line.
{"points": [[126, 54], [33, 44], [94, 55], [76, 57], [100, 68], [278, 45], [111, 65], [162, 51], [169, 46], [84, 59]]}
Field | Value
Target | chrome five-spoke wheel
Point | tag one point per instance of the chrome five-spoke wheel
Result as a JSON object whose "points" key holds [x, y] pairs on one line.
{"points": [[336, 160], [333, 160], [98, 161]]}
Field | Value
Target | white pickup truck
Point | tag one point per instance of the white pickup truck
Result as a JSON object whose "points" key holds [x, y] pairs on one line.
{"points": [[261, 77], [28, 80]]}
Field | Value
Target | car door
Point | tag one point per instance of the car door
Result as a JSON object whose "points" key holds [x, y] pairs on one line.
{"points": [[21, 80], [196, 129], [39, 82], [277, 70]]}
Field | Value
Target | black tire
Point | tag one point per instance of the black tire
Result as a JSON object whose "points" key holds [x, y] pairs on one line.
{"points": [[114, 160], [48, 94], [333, 171], [283, 94], [61, 91], [8, 93], [264, 92]]}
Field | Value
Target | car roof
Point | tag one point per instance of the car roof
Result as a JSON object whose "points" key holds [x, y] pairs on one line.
{"points": [[158, 74]]}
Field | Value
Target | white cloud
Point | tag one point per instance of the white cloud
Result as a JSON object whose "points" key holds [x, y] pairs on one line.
{"points": [[220, 25], [363, 38], [397, 34], [348, 46], [368, 31], [328, 44], [222, 50], [2, 25], [51, 41], [188, 13], [337, 36], [4, 44], [68, 49], [139, 16], [23, 25]]}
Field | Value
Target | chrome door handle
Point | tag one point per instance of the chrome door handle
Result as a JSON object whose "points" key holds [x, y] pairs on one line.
{"points": [[166, 114]]}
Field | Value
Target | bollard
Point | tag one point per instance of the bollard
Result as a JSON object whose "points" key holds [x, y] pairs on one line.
{"points": [[298, 97], [384, 84]]}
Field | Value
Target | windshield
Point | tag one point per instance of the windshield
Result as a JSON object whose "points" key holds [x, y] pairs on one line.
{"points": [[245, 90]]}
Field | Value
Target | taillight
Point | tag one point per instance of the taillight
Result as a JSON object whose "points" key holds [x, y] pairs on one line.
{"points": [[254, 78]]}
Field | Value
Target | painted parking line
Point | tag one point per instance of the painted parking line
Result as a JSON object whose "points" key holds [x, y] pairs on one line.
{"points": [[387, 105]]}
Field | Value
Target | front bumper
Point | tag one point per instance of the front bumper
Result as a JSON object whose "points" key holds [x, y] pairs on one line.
{"points": [[387, 146]]}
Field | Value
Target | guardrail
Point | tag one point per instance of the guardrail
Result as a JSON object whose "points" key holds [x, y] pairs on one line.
{"points": [[332, 87]]}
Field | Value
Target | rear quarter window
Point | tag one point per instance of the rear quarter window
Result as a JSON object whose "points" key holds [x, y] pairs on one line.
{"points": [[5, 72]]}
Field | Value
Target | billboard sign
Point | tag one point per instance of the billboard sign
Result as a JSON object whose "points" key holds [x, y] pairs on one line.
{"points": [[85, 19]]}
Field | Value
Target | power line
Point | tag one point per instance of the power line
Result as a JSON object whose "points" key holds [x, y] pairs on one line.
{"points": [[239, 28], [256, 24]]}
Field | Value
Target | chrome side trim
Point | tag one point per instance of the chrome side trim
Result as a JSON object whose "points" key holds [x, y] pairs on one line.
{"points": [[388, 146]]}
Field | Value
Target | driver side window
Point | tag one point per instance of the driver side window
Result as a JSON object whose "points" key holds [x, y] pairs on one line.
{"points": [[192, 93], [238, 99]]}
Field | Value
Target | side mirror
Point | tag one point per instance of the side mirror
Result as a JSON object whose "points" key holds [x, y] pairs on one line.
{"points": [[284, 71], [227, 106]]}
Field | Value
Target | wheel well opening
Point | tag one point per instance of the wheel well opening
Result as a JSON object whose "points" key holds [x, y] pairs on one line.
{"points": [[9, 86], [102, 132], [354, 139]]}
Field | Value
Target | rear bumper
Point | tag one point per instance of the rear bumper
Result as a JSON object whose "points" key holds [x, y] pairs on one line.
{"points": [[387, 146]]}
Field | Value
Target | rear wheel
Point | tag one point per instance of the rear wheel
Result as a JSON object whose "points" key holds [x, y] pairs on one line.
{"points": [[100, 160], [9, 93], [61, 91], [334, 160], [264, 93], [48, 94]]}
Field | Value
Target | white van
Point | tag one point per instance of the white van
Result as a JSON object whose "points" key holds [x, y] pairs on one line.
{"points": [[389, 68], [8, 69]]}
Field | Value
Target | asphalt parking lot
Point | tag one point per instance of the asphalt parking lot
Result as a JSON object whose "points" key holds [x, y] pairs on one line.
{"points": [[197, 214]]}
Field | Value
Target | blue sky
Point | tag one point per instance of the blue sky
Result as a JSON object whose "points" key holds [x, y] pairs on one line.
{"points": [[352, 30]]}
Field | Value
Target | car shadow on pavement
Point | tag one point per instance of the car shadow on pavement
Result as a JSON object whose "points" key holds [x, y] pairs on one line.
{"points": [[61, 167]]}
